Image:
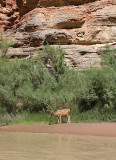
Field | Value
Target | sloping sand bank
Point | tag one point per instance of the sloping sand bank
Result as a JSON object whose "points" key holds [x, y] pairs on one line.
{"points": [[93, 129]]}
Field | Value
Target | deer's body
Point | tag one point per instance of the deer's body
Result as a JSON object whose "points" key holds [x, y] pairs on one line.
{"points": [[60, 113]]}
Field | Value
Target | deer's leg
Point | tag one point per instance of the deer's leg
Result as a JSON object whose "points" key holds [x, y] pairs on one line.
{"points": [[60, 119], [50, 120], [68, 118]]}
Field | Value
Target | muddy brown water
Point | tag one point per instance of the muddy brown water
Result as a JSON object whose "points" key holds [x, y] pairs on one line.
{"points": [[38, 146]]}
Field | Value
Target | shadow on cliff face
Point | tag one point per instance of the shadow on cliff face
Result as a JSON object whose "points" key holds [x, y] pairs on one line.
{"points": [[26, 6]]}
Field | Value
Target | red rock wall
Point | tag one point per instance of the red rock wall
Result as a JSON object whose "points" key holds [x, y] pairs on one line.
{"points": [[28, 5], [81, 27], [9, 14]]}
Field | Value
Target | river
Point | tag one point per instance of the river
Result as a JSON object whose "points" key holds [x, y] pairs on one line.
{"points": [[36, 146]]}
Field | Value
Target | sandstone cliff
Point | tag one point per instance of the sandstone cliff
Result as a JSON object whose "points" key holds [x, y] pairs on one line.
{"points": [[81, 27]]}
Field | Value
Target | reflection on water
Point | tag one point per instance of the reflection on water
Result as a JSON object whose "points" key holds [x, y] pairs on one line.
{"points": [[34, 146]]}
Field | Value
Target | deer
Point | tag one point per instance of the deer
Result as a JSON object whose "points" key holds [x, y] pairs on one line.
{"points": [[59, 114]]}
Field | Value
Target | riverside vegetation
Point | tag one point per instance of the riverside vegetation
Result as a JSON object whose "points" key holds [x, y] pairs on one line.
{"points": [[29, 86]]}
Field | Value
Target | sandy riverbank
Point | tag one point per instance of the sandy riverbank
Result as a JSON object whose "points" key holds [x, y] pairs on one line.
{"points": [[93, 129]]}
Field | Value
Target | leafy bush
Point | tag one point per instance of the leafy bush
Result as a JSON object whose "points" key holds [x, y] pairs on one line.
{"points": [[26, 83], [109, 58], [46, 82], [53, 59], [4, 44]]}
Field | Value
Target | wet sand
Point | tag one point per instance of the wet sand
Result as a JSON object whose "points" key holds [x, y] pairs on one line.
{"points": [[93, 129]]}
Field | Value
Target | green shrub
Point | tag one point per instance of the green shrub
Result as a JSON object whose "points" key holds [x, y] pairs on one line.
{"points": [[49, 83], [53, 59], [4, 44]]}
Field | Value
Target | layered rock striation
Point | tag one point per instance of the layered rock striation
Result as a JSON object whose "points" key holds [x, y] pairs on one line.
{"points": [[82, 28], [9, 14]]}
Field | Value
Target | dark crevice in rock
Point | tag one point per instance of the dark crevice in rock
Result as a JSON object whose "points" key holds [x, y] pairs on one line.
{"points": [[30, 28], [70, 24], [3, 3], [35, 42], [60, 38], [112, 19]]}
